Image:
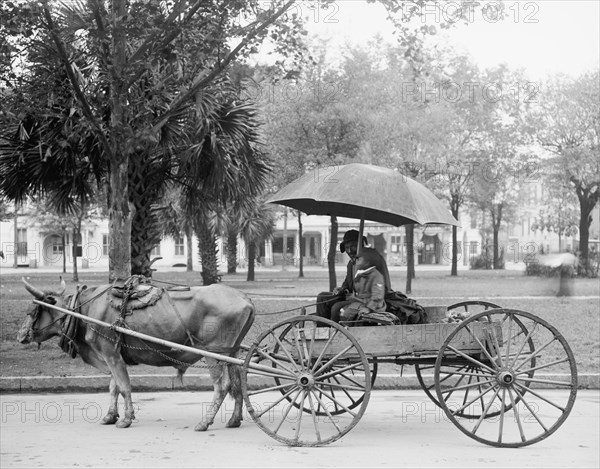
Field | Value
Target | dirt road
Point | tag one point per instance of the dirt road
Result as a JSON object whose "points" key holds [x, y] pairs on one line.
{"points": [[400, 429]]}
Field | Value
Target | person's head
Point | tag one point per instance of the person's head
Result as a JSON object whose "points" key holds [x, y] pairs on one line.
{"points": [[367, 258], [350, 243]]}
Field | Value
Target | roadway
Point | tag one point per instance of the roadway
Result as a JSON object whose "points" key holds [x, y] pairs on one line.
{"points": [[401, 428]]}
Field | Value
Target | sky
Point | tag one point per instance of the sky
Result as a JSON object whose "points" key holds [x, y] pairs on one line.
{"points": [[543, 36]]}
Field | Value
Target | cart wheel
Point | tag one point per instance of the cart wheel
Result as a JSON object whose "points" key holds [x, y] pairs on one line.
{"points": [[473, 306], [319, 369], [425, 372], [506, 348], [333, 380]]}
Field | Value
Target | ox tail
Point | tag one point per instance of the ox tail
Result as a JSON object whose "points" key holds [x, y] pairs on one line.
{"points": [[235, 378]]}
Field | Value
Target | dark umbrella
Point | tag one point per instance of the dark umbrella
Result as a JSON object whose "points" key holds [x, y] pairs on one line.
{"points": [[366, 192]]}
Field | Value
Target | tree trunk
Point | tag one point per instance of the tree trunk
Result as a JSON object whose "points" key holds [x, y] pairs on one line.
{"points": [[410, 256], [301, 246], [190, 257], [284, 254], [120, 210], [208, 254], [332, 253], [455, 207], [16, 239], [232, 251], [76, 234], [64, 250], [586, 206], [251, 256], [496, 221]]}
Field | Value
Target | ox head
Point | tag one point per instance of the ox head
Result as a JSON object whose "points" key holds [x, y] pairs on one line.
{"points": [[42, 322]]}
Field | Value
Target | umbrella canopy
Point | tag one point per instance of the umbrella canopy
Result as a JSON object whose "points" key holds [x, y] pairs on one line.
{"points": [[365, 192]]}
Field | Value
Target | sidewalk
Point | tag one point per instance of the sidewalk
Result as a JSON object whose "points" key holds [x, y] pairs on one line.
{"points": [[197, 382]]}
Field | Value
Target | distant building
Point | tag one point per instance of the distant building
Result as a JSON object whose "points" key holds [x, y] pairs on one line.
{"points": [[37, 247]]}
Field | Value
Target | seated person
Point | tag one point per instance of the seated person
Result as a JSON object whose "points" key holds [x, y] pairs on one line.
{"points": [[369, 290], [349, 244]]}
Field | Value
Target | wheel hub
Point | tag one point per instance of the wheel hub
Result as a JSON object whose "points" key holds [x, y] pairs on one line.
{"points": [[306, 380], [505, 378]]}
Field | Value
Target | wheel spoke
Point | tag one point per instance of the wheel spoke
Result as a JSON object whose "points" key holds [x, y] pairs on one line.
{"points": [[336, 401], [471, 359], [314, 416], [483, 348], [343, 387], [525, 342], [479, 396], [539, 396], [333, 360], [324, 407], [276, 373], [274, 404], [542, 366], [269, 389], [469, 386], [531, 411], [501, 425], [322, 354], [535, 352], [300, 414], [517, 417], [337, 371], [547, 381], [285, 351], [276, 361], [485, 411], [287, 411]]}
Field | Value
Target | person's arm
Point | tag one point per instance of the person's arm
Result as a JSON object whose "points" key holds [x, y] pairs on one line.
{"points": [[377, 292]]}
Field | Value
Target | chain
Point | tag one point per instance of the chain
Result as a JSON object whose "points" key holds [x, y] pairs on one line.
{"points": [[162, 354]]}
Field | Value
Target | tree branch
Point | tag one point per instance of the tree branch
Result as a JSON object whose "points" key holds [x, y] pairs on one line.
{"points": [[199, 82], [73, 79]]}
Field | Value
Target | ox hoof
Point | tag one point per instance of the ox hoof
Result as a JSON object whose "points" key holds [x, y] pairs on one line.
{"points": [[110, 419], [125, 423], [234, 423], [201, 427]]}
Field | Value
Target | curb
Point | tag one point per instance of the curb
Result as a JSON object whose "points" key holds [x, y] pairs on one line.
{"points": [[194, 382]]}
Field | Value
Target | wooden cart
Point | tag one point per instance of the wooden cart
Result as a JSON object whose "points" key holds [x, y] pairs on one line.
{"points": [[504, 377]]}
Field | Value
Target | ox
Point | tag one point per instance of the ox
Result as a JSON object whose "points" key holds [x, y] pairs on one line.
{"points": [[214, 318]]}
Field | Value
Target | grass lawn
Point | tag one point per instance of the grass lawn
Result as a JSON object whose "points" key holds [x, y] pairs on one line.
{"points": [[280, 294]]}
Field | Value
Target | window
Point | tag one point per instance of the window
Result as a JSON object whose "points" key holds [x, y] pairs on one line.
{"points": [[21, 241], [179, 247], [155, 250], [396, 244], [105, 245]]}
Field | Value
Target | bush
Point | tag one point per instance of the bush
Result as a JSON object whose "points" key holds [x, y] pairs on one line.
{"points": [[485, 262], [535, 269]]}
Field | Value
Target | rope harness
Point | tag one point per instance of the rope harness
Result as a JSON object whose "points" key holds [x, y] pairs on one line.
{"points": [[70, 324]]}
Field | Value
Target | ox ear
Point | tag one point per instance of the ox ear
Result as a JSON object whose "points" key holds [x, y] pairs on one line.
{"points": [[63, 286], [36, 292]]}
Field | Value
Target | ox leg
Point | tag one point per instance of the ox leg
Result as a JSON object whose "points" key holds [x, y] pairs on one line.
{"points": [[113, 411], [235, 379], [218, 374], [118, 370]]}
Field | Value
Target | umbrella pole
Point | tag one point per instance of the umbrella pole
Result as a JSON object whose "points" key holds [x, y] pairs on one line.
{"points": [[361, 230]]}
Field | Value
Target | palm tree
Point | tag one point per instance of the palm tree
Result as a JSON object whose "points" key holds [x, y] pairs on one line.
{"points": [[224, 168], [256, 226]]}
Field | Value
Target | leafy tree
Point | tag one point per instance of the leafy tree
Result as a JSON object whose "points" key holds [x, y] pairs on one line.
{"points": [[568, 125], [130, 69], [559, 212]]}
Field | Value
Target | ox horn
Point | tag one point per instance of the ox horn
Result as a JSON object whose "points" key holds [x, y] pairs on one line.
{"points": [[36, 292], [63, 286]]}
